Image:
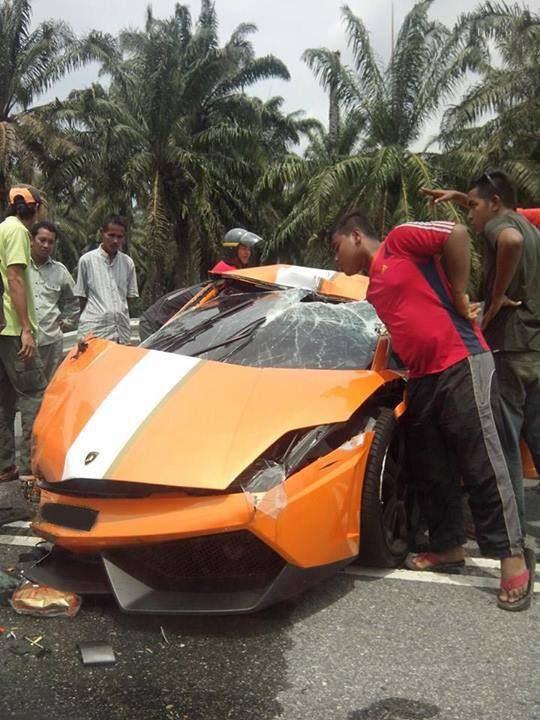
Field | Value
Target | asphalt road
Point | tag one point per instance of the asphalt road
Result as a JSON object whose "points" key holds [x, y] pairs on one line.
{"points": [[355, 648]]}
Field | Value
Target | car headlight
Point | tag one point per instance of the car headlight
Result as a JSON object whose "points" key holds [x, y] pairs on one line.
{"points": [[297, 449]]}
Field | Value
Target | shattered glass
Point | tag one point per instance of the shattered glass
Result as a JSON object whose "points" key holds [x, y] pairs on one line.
{"points": [[278, 329]]}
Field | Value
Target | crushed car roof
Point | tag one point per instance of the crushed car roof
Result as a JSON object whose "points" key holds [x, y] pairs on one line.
{"points": [[325, 282]]}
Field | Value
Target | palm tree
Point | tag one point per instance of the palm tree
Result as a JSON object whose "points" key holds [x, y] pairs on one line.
{"points": [[32, 61], [177, 134], [496, 123], [390, 106]]}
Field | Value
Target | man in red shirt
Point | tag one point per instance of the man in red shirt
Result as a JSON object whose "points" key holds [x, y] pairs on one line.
{"points": [[453, 405]]}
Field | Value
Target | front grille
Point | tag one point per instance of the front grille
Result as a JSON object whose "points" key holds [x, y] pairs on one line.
{"points": [[118, 489], [99, 488], [230, 562]]}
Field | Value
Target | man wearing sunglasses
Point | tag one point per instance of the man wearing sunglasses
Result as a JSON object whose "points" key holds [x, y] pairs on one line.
{"points": [[511, 322]]}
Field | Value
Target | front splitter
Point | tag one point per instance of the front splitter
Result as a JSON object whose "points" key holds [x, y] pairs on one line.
{"points": [[100, 575]]}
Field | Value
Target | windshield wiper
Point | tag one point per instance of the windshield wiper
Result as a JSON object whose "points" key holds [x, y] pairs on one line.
{"points": [[246, 332]]}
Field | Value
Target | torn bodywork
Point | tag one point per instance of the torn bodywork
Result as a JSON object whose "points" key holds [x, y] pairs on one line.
{"points": [[219, 466]]}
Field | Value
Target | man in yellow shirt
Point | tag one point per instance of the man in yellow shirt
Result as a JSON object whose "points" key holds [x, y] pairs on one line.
{"points": [[22, 380]]}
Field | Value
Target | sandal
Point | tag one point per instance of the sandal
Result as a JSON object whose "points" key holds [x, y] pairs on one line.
{"points": [[435, 563], [527, 576]]}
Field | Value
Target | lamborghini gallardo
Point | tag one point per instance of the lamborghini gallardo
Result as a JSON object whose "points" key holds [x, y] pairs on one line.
{"points": [[243, 452]]}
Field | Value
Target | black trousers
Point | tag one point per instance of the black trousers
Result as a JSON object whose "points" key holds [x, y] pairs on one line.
{"points": [[454, 425]]}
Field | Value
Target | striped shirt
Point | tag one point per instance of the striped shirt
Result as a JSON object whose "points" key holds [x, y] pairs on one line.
{"points": [[106, 283]]}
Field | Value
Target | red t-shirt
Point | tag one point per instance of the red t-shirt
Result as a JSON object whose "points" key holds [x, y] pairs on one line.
{"points": [[222, 266], [411, 294], [532, 215]]}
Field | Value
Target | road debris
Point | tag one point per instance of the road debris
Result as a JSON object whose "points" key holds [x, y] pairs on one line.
{"points": [[44, 601], [8, 583], [165, 638], [25, 645], [96, 653], [35, 641]]}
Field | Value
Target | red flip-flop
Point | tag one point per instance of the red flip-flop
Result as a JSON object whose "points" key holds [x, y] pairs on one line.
{"points": [[527, 576], [435, 563]]}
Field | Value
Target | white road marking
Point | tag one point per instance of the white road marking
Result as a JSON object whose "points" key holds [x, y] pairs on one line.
{"points": [[354, 570], [17, 524], [482, 562], [20, 540], [423, 576], [123, 411]]}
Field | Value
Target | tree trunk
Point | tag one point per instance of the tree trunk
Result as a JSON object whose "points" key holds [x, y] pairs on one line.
{"points": [[333, 114]]}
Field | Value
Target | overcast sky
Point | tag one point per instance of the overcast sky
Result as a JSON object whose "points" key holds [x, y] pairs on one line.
{"points": [[285, 28]]}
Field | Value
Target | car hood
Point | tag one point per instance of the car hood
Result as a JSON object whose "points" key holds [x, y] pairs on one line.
{"points": [[138, 415]]}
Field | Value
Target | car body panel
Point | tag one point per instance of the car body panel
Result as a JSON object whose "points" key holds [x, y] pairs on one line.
{"points": [[241, 411], [188, 432], [325, 282]]}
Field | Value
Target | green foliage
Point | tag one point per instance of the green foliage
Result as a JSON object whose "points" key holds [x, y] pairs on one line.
{"points": [[176, 136], [171, 138], [367, 158], [496, 123], [32, 61]]}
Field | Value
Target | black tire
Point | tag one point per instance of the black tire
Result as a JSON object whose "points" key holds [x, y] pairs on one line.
{"points": [[383, 512]]}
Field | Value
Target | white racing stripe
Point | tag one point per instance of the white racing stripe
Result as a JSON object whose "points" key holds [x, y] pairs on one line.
{"points": [[123, 411], [424, 576], [302, 277]]}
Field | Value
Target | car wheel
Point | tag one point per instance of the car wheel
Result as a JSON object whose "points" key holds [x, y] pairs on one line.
{"points": [[383, 513]]}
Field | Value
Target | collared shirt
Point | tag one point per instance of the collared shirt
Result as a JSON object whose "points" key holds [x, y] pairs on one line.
{"points": [[411, 294], [57, 308], [514, 329], [106, 284], [15, 250]]}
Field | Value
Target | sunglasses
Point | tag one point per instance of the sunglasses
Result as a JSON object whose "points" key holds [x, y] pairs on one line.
{"points": [[491, 181]]}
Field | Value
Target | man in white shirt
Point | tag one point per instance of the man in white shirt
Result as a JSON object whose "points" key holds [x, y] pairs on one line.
{"points": [[57, 309], [106, 278]]}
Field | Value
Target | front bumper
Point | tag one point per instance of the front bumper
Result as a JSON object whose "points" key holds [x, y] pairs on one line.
{"points": [[219, 574], [135, 521]]}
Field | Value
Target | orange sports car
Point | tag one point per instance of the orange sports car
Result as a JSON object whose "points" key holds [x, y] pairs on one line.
{"points": [[244, 451]]}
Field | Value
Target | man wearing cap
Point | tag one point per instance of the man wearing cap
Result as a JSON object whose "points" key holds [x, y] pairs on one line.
{"points": [[22, 380]]}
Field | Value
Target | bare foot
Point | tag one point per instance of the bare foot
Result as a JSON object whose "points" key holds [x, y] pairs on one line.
{"points": [[511, 567]]}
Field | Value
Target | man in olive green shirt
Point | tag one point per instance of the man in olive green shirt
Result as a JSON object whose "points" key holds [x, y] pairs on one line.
{"points": [[511, 321], [22, 381]]}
